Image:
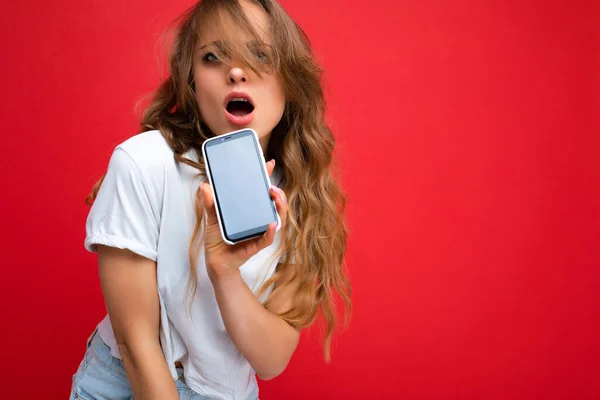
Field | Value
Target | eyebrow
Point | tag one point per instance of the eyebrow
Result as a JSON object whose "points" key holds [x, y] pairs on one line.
{"points": [[219, 44], [216, 43]]}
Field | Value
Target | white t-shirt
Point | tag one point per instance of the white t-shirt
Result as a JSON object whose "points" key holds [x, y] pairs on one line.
{"points": [[146, 205]]}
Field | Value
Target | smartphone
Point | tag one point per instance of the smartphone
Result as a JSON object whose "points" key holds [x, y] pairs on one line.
{"points": [[240, 184]]}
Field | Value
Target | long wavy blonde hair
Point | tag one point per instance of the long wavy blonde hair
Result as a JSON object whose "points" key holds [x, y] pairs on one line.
{"points": [[301, 144]]}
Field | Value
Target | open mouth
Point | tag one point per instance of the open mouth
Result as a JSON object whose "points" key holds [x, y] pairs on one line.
{"points": [[239, 107]]}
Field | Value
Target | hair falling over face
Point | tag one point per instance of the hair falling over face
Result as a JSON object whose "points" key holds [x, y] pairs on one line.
{"points": [[301, 144]]}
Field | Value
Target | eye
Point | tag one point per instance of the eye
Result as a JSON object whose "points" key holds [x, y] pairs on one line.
{"points": [[260, 53], [262, 56], [209, 58]]}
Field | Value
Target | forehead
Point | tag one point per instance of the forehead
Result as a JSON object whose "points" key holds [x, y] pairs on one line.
{"points": [[221, 24]]}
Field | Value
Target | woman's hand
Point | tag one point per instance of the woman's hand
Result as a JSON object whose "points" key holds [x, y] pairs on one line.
{"points": [[223, 259]]}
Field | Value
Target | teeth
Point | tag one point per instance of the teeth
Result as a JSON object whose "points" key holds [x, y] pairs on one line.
{"points": [[239, 99]]}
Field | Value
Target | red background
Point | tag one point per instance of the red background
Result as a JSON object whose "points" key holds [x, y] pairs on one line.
{"points": [[468, 139]]}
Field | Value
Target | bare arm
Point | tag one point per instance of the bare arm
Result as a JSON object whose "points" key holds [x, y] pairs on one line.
{"points": [[130, 292], [266, 340]]}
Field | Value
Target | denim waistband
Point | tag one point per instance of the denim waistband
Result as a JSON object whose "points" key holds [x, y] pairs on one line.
{"points": [[101, 352]]}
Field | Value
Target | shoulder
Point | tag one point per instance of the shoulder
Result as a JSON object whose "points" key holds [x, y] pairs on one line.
{"points": [[148, 150], [145, 157]]}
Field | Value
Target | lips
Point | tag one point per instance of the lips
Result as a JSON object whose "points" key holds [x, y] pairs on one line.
{"points": [[239, 108]]}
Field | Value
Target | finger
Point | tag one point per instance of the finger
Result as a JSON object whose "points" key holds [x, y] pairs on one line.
{"points": [[281, 203], [268, 237], [209, 204], [270, 167]]}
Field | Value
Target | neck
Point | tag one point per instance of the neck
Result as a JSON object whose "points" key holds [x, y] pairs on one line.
{"points": [[264, 143]]}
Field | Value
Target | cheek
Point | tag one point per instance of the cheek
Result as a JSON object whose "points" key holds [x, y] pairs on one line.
{"points": [[205, 88], [278, 95], [198, 87]]}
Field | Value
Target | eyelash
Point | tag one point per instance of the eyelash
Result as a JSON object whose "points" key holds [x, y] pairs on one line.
{"points": [[210, 58], [262, 56]]}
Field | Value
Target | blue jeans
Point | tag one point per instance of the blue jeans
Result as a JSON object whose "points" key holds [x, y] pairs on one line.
{"points": [[101, 376]]}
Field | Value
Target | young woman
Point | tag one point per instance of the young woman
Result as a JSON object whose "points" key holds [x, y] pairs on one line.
{"points": [[188, 315]]}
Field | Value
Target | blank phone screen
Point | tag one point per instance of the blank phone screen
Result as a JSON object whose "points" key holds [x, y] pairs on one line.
{"points": [[242, 192]]}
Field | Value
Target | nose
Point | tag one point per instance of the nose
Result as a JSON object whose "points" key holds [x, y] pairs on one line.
{"points": [[236, 75]]}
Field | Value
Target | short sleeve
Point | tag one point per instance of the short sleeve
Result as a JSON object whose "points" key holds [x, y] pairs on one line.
{"points": [[122, 214]]}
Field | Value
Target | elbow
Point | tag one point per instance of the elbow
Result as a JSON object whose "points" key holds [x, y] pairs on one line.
{"points": [[279, 359], [266, 374], [133, 351], [125, 351]]}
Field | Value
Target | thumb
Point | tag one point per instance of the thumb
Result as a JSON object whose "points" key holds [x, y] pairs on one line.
{"points": [[209, 204]]}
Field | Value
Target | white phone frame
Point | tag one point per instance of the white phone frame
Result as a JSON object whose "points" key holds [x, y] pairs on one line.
{"points": [[212, 188]]}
